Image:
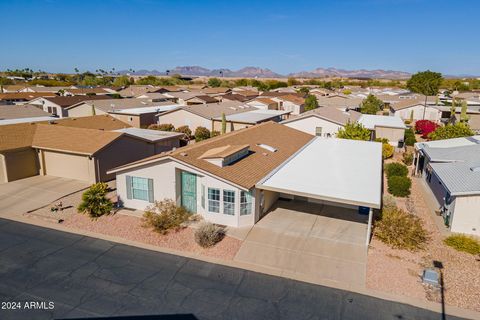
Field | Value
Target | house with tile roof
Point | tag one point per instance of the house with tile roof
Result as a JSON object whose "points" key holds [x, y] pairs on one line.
{"points": [[58, 106], [235, 179], [450, 170], [76, 148]]}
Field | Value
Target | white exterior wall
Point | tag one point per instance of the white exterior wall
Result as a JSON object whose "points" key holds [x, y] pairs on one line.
{"points": [[466, 215], [183, 118], [432, 114], [258, 105], [309, 124], [293, 108], [167, 185]]}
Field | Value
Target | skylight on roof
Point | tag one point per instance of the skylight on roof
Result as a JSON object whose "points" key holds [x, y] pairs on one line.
{"points": [[266, 147]]}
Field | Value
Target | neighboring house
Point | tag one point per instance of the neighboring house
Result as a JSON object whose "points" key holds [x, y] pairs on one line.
{"points": [[40, 89], [415, 108], [200, 99], [153, 96], [87, 91], [233, 97], [247, 119], [82, 149], [451, 169], [340, 102], [58, 106], [195, 116], [216, 92], [136, 90], [182, 97], [384, 127], [292, 103], [144, 116], [248, 94], [322, 122], [264, 103], [236, 178], [22, 113], [9, 88], [22, 97]]}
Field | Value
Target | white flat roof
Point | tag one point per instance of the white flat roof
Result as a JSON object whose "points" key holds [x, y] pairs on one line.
{"points": [[254, 116], [338, 170], [370, 121], [151, 135], [141, 110], [23, 120], [449, 143]]}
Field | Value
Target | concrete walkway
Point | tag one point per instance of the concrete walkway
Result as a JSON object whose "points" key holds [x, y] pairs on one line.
{"points": [[311, 240], [21, 196]]}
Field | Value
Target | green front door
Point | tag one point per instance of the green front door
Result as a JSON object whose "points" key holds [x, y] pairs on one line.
{"points": [[189, 191]]}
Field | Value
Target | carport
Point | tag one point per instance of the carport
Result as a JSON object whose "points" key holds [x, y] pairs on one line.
{"points": [[334, 173]]}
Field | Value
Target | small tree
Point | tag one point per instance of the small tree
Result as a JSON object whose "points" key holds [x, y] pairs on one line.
{"points": [[292, 81], [214, 82], [426, 83], [224, 123], [410, 137], [162, 127], [371, 105], [304, 90], [354, 131], [95, 202], [425, 127], [185, 130], [451, 131], [311, 102], [201, 133]]}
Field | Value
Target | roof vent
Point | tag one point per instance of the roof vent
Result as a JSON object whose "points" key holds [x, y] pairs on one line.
{"points": [[266, 147], [475, 169], [183, 154]]}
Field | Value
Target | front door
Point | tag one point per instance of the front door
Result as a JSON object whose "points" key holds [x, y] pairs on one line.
{"points": [[189, 191]]}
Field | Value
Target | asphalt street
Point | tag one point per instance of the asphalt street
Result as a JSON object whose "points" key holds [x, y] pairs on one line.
{"points": [[48, 274]]}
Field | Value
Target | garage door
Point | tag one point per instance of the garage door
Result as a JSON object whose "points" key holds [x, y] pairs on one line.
{"points": [[68, 166]]}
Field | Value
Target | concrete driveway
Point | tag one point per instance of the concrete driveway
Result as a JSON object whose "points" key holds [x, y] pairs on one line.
{"points": [[24, 195], [321, 243]]}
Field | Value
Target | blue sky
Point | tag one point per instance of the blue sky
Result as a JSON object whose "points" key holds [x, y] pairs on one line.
{"points": [[285, 36]]}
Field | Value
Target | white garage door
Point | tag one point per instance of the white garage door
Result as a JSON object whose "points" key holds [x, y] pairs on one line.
{"points": [[67, 166]]}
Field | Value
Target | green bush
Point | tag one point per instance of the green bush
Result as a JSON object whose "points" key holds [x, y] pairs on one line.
{"points": [[162, 127], [208, 234], [95, 202], [407, 158], [399, 186], [410, 137], [164, 216], [401, 230], [201, 133], [185, 130], [461, 242], [387, 150], [396, 169]]}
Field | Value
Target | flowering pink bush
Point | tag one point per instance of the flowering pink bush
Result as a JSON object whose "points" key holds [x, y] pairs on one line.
{"points": [[425, 127]]}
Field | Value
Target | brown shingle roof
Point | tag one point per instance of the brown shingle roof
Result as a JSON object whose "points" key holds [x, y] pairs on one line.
{"points": [[16, 136], [330, 114], [21, 111], [100, 122], [69, 139], [25, 95], [88, 90], [293, 98], [65, 102], [267, 101], [249, 170], [214, 110], [205, 98]]}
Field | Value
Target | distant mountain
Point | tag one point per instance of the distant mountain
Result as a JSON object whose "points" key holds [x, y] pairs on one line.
{"points": [[255, 72], [362, 73]]}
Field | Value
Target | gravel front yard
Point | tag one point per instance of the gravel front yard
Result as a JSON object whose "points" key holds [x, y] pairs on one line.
{"points": [[399, 271], [130, 228]]}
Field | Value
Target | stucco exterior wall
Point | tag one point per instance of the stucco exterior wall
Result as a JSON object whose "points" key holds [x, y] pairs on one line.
{"points": [[83, 110], [309, 125], [182, 118], [392, 134], [167, 185], [133, 120], [466, 216], [432, 114], [231, 126], [3, 169], [60, 112]]}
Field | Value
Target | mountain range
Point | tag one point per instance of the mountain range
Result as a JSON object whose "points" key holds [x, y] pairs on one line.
{"points": [[255, 72]]}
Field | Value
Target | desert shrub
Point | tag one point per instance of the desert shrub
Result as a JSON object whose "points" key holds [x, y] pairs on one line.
{"points": [[95, 202], [214, 133], [425, 127], [387, 150], [208, 234], [410, 137], [401, 230], [164, 216], [396, 169], [407, 158], [399, 186], [162, 127], [201, 133], [185, 130], [389, 201], [461, 242]]}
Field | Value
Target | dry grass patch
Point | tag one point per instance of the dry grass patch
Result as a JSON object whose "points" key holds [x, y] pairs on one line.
{"points": [[463, 243]]}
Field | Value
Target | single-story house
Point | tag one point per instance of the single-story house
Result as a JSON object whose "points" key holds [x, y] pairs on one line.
{"points": [[76, 148], [234, 179], [340, 102], [144, 116], [451, 169], [243, 120], [290, 102], [233, 97], [22, 97], [323, 121], [384, 127], [201, 115], [87, 91], [10, 114], [200, 99], [264, 103], [58, 106], [415, 108]]}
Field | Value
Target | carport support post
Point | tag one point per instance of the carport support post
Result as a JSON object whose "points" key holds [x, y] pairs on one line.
{"points": [[369, 227]]}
